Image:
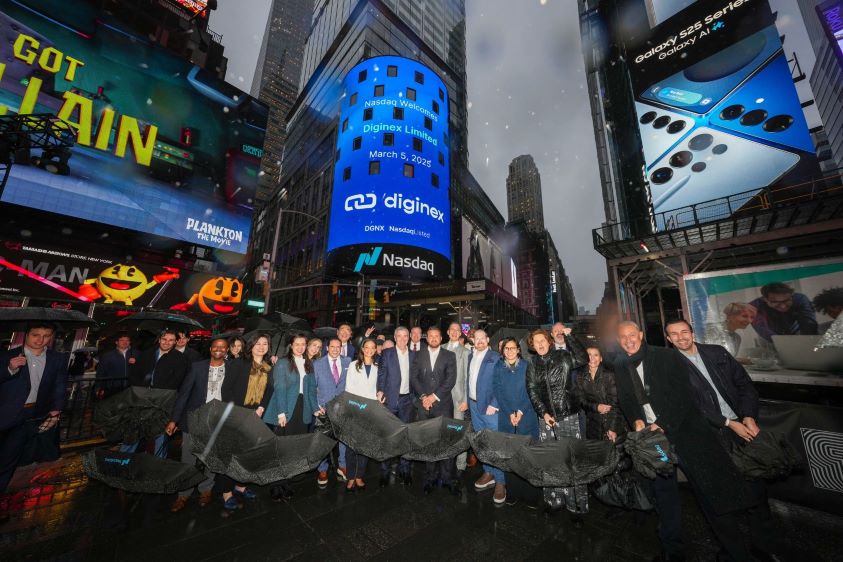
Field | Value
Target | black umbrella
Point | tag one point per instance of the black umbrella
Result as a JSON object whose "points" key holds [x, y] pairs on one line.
{"points": [[139, 472], [497, 448], [651, 453], [769, 456], [275, 321], [239, 444], [367, 427], [155, 321], [565, 462], [437, 439], [135, 413], [239, 431], [280, 458], [17, 319], [325, 332], [622, 489]]}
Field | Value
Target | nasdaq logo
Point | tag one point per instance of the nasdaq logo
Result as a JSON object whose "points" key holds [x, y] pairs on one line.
{"points": [[368, 259], [360, 201]]}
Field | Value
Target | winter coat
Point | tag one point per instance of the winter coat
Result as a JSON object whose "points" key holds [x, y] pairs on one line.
{"points": [[550, 383], [591, 393]]}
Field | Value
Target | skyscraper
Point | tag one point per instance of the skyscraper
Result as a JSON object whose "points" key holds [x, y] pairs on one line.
{"points": [[277, 79], [524, 193]]}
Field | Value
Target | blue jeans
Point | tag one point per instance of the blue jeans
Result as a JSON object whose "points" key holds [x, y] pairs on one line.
{"points": [[162, 446], [481, 421], [323, 466]]}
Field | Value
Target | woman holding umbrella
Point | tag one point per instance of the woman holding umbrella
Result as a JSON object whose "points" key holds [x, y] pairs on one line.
{"points": [[254, 392], [290, 408], [551, 391], [361, 380]]}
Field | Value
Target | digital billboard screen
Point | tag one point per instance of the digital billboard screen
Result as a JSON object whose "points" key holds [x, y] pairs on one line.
{"points": [[483, 259], [390, 211], [63, 274], [831, 17], [718, 112], [159, 142]]}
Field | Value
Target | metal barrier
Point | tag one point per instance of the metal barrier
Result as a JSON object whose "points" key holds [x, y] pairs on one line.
{"points": [[77, 421]]}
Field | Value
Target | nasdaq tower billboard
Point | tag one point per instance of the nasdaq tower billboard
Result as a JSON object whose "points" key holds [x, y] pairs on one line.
{"points": [[718, 112], [390, 212]]}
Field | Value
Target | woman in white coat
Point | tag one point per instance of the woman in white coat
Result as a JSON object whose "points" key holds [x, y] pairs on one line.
{"points": [[361, 379]]}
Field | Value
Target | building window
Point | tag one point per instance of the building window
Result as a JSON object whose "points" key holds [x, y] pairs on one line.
{"points": [[409, 171], [367, 114], [435, 106], [392, 70], [434, 180], [356, 143], [411, 94], [379, 90], [344, 125], [374, 167], [388, 139], [398, 113], [346, 174], [353, 99], [361, 76], [442, 158], [441, 95], [417, 144], [428, 123], [419, 77]]}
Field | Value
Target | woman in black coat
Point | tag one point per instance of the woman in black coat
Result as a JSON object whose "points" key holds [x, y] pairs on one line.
{"points": [[598, 397], [552, 393]]}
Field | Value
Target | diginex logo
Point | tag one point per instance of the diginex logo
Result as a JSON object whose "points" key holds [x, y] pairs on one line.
{"points": [[409, 205], [663, 456], [121, 462], [455, 427], [358, 404], [360, 201]]}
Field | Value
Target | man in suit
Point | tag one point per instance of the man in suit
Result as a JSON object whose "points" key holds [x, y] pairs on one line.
{"points": [[395, 392], [483, 407], [33, 382], [329, 373], [654, 393], [182, 343], [113, 368], [346, 347], [416, 341], [433, 373], [162, 367], [458, 393], [203, 383], [725, 395]]}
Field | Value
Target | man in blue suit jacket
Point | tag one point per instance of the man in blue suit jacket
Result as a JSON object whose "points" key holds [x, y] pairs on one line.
{"points": [[327, 387], [33, 381], [481, 402], [395, 392]]}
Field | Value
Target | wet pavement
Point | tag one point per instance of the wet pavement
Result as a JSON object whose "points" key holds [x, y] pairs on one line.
{"points": [[57, 514]]}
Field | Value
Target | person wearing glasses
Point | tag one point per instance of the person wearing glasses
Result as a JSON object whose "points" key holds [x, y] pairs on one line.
{"points": [[782, 311]]}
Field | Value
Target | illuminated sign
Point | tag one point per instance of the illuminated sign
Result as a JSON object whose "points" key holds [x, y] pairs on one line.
{"points": [[714, 91], [831, 16], [153, 132], [252, 150], [390, 212]]}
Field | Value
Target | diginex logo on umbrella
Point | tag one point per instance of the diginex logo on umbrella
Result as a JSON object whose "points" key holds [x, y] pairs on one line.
{"points": [[455, 427], [663, 456], [358, 404]]}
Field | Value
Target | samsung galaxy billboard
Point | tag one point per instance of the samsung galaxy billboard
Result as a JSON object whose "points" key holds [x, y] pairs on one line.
{"points": [[390, 212], [718, 112], [159, 143]]}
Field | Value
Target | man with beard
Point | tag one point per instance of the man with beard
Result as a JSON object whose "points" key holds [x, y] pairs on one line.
{"points": [[654, 393]]}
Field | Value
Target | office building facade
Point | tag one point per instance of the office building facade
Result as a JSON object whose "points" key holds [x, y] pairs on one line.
{"points": [[524, 193]]}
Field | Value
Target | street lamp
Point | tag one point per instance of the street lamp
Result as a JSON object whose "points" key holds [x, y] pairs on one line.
{"points": [[275, 250]]}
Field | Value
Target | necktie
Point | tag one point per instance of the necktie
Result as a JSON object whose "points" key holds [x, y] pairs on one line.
{"points": [[335, 371]]}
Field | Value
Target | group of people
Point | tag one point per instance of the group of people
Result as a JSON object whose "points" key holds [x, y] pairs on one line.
{"points": [[697, 394]]}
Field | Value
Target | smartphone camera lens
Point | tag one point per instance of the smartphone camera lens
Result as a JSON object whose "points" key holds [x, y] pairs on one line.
{"points": [[698, 166], [778, 123], [719, 149], [700, 142], [675, 127], [647, 117], [661, 122], [662, 175], [732, 112], [754, 117], [681, 159]]}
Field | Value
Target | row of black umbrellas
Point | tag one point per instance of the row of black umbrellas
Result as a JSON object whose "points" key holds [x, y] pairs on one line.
{"points": [[15, 319]]}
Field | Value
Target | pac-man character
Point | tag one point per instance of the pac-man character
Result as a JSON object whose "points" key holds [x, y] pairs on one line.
{"points": [[219, 295], [123, 283]]}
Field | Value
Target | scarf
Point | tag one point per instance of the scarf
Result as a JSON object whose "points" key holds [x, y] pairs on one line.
{"points": [[642, 392], [258, 377]]}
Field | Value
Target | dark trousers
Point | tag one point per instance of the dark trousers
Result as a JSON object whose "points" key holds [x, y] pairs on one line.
{"points": [[406, 412], [295, 426], [12, 445], [665, 492], [726, 528], [443, 471], [355, 463]]}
